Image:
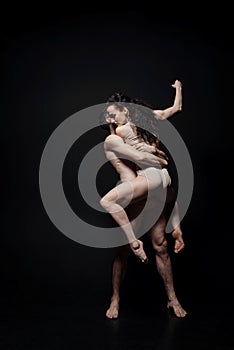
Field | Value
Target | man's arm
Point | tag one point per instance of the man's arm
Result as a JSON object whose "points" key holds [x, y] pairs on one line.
{"points": [[177, 106], [143, 147], [116, 144]]}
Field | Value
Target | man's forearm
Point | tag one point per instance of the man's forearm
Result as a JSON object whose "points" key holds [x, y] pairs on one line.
{"points": [[151, 160], [115, 144]]}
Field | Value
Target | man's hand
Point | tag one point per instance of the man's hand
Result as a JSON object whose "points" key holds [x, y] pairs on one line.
{"points": [[179, 242], [162, 154], [143, 147]]}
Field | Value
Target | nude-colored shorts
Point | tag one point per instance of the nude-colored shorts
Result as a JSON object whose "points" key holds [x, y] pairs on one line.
{"points": [[151, 173]]}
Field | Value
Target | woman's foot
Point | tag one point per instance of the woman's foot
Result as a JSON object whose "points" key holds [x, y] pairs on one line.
{"points": [[137, 248]]}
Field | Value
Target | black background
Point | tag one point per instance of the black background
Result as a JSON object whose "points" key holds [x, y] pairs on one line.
{"points": [[55, 62]]}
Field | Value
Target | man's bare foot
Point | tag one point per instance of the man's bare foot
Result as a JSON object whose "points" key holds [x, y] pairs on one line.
{"points": [[113, 311], [137, 248], [179, 242], [177, 308]]}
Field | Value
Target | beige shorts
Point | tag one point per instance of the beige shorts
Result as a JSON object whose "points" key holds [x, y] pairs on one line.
{"points": [[153, 174]]}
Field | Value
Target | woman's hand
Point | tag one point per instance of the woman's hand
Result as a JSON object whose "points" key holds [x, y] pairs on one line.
{"points": [[177, 84]]}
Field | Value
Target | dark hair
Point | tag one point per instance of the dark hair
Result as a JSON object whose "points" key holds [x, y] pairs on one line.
{"points": [[119, 97], [141, 114], [116, 99]]}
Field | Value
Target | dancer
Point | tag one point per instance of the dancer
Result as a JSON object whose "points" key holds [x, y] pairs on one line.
{"points": [[157, 232], [148, 180]]}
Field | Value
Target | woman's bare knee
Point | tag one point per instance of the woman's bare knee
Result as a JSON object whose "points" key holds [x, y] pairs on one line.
{"points": [[106, 204]]}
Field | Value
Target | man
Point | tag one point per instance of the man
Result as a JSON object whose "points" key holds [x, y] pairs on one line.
{"points": [[116, 150]]}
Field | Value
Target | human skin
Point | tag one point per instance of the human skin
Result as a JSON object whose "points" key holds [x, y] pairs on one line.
{"points": [[159, 243], [113, 202], [157, 231], [136, 188], [120, 118]]}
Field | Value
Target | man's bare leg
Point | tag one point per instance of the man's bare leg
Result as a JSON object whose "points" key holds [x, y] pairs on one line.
{"points": [[174, 219], [120, 262], [163, 263], [118, 273]]}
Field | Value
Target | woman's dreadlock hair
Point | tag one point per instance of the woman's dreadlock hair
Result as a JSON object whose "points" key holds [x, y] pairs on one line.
{"points": [[141, 115]]}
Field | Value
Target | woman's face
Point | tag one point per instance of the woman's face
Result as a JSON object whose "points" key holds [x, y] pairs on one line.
{"points": [[116, 116]]}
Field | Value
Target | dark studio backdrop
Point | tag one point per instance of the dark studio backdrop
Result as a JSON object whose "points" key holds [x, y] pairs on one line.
{"points": [[55, 63]]}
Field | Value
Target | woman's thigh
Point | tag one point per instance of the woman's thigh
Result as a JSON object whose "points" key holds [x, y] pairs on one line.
{"points": [[128, 191]]}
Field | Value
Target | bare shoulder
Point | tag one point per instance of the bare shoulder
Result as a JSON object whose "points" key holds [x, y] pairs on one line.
{"points": [[113, 139]]}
